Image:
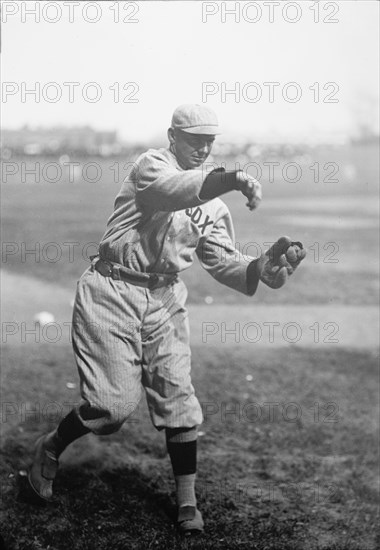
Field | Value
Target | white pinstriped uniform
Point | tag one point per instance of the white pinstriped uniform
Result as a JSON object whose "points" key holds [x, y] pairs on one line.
{"points": [[126, 336]]}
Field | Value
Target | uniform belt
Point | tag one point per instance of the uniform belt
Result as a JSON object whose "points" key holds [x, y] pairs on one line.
{"points": [[119, 272]]}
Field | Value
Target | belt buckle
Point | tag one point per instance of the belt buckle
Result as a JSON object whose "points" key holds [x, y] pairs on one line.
{"points": [[153, 280], [104, 268]]}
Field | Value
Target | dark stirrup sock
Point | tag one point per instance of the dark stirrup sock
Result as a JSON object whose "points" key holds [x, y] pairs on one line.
{"points": [[182, 448], [69, 429]]}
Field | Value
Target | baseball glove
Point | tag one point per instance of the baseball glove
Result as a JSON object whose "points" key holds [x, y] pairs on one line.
{"points": [[280, 261]]}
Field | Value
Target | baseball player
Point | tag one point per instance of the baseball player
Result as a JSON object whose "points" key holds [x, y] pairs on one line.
{"points": [[130, 325]]}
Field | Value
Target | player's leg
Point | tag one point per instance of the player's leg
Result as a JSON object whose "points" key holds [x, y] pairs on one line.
{"points": [[107, 348], [48, 449], [170, 394], [182, 448]]}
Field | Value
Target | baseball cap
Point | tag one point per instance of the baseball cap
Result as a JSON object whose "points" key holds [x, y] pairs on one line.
{"points": [[195, 119]]}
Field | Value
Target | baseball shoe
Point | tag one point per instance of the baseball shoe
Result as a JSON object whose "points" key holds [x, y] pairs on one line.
{"points": [[45, 465], [189, 521]]}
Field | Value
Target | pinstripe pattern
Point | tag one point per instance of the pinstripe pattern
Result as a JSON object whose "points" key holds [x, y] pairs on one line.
{"points": [[126, 337], [159, 223]]}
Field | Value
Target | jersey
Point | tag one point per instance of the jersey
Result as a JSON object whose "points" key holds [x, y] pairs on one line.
{"points": [[159, 222]]}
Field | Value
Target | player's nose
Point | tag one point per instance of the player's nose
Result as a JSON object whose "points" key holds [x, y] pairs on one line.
{"points": [[204, 149]]}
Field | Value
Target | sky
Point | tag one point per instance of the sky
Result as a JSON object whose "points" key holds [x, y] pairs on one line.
{"points": [[324, 74]]}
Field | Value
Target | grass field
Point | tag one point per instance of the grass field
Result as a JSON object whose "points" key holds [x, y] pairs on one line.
{"points": [[288, 451], [268, 482], [63, 222]]}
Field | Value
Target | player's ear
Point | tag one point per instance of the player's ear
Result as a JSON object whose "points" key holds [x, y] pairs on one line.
{"points": [[171, 136]]}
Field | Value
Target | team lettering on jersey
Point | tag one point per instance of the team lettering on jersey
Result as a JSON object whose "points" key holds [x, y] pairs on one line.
{"points": [[197, 217]]}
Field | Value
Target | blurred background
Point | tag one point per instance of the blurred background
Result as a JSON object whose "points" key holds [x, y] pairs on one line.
{"points": [[296, 95]]}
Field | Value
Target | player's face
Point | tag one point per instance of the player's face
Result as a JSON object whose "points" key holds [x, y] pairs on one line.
{"points": [[191, 150]]}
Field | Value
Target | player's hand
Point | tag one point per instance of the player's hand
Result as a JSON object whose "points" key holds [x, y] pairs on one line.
{"points": [[250, 187], [280, 261]]}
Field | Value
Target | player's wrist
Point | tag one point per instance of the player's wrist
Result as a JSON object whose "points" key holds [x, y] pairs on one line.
{"points": [[242, 180], [253, 276], [218, 182], [231, 178]]}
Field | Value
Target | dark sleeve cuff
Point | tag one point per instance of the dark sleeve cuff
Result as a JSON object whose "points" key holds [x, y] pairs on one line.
{"points": [[253, 277], [217, 183]]}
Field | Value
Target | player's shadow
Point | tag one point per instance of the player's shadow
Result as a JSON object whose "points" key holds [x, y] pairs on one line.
{"points": [[90, 493]]}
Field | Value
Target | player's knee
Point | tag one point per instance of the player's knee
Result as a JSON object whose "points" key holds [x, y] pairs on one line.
{"points": [[107, 418], [118, 413]]}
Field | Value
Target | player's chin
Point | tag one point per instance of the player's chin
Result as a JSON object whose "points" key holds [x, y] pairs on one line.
{"points": [[197, 161]]}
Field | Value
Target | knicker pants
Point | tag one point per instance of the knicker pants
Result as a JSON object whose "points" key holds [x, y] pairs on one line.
{"points": [[126, 338]]}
